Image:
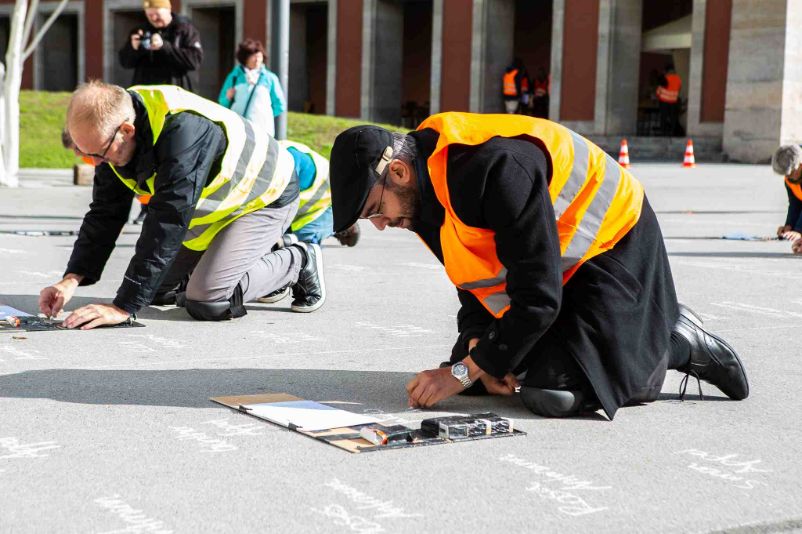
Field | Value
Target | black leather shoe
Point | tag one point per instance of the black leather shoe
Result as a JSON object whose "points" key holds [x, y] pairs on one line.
{"points": [[350, 236], [712, 359], [309, 292]]}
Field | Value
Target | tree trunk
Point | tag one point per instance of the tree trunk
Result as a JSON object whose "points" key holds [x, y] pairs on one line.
{"points": [[11, 89]]}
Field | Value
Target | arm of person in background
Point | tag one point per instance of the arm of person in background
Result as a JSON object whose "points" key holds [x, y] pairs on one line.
{"points": [[793, 219], [226, 97], [277, 99], [108, 213], [188, 55], [517, 206], [186, 151], [131, 51]]}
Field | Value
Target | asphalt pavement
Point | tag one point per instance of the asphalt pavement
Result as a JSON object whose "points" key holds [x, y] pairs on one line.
{"points": [[112, 430]]}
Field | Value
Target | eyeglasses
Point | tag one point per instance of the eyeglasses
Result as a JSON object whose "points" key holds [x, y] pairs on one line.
{"points": [[377, 212], [108, 145]]}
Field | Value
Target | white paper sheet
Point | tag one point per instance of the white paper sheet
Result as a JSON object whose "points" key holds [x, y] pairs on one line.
{"points": [[307, 415]]}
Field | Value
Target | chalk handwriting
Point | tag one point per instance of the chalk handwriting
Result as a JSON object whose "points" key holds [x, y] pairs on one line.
{"points": [[429, 266], [16, 449], [738, 472], [136, 519], [559, 487], [21, 354], [353, 522], [211, 444], [278, 339], [381, 509], [400, 330], [228, 429], [160, 342]]}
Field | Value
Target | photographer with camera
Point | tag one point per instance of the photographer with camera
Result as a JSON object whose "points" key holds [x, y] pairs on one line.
{"points": [[165, 51]]}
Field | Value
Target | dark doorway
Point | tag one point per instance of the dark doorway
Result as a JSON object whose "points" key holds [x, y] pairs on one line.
{"points": [[416, 67], [123, 23], [58, 54], [532, 45], [309, 24], [215, 25], [5, 32]]}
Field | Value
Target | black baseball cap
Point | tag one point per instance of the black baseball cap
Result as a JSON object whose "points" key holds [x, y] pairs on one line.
{"points": [[358, 158]]}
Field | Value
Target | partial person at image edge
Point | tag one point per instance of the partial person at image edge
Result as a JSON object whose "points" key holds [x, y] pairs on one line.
{"points": [[787, 162]]}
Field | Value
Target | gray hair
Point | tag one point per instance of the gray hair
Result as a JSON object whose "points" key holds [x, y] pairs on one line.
{"points": [[404, 148], [101, 106], [786, 159]]}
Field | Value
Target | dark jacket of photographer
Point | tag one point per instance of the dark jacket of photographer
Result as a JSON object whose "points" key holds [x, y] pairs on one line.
{"points": [[180, 55]]}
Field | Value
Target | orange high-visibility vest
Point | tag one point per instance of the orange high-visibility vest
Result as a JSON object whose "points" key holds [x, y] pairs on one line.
{"points": [[541, 88], [796, 189], [525, 84], [144, 199], [670, 94], [509, 83], [596, 202]]}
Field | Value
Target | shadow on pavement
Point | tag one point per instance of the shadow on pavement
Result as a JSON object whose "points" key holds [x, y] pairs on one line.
{"points": [[191, 388]]}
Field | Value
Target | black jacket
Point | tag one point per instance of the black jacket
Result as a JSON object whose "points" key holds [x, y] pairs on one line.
{"points": [[186, 157], [794, 215], [613, 317], [181, 54]]}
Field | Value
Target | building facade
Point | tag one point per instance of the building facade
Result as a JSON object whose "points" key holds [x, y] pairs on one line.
{"points": [[396, 61]]}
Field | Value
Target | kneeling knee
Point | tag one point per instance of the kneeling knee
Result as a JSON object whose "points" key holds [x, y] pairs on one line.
{"points": [[553, 402], [217, 310]]}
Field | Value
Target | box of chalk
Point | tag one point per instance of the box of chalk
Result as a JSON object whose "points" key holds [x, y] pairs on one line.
{"points": [[467, 426]]}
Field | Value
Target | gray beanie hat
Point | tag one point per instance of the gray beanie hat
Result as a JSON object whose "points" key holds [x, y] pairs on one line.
{"points": [[786, 159]]}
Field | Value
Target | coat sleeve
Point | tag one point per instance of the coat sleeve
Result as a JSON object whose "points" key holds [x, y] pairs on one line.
{"points": [[186, 152], [188, 55], [108, 213], [794, 216], [277, 99], [223, 100], [129, 57], [511, 178]]}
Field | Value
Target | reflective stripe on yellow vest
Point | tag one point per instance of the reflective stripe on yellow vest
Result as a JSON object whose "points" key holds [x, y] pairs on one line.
{"points": [[253, 172], [509, 83], [596, 202], [316, 199], [796, 189]]}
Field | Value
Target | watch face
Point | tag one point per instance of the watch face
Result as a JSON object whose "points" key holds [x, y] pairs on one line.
{"points": [[459, 370]]}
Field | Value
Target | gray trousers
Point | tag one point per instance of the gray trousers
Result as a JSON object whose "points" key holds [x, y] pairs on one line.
{"points": [[240, 255]]}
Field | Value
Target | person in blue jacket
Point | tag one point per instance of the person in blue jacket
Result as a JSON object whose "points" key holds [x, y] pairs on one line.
{"points": [[251, 90]]}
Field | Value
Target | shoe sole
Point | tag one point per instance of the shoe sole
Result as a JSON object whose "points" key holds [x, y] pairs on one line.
{"points": [[275, 298], [319, 266]]}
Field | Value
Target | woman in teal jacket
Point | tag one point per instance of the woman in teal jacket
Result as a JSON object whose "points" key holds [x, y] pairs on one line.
{"points": [[253, 91]]}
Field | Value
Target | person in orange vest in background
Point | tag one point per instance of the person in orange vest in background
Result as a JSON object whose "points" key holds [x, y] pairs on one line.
{"points": [[511, 85], [540, 93], [558, 259], [668, 97], [787, 162], [66, 142], [526, 95]]}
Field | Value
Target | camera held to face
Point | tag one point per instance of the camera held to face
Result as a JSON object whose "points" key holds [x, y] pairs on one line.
{"points": [[146, 40]]}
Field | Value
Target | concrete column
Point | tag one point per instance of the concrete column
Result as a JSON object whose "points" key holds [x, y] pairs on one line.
{"points": [[764, 79], [491, 51], [437, 57], [557, 23], [331, 60], [617, 103], [381, 60]]}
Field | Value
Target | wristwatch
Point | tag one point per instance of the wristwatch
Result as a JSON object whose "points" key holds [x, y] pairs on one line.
{"points": [[460, 371]]}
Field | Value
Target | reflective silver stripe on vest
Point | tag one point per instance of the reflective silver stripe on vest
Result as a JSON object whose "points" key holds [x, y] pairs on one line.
{"points": [[309, 204], [265, 177], [210, 203], [589, 226], [577, 177], [501, 277], [497, 301]]}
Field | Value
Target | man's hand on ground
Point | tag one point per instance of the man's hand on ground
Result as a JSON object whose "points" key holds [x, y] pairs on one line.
{"points": [[791, 235], [782, 229], [430, 387], [52, 299], [94, 315]]}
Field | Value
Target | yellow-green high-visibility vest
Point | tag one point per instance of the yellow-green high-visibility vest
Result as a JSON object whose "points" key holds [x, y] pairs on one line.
{"points": [[316, 199], [253, 173]]}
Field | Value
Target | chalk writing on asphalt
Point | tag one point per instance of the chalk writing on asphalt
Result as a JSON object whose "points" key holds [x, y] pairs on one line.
{"points": [[561, 488], [208, 443], [12, 447], [136, 519], [731, 468]]}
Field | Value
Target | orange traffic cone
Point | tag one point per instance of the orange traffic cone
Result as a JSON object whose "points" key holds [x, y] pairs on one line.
{"points": [[623, 154], [689, 161]]}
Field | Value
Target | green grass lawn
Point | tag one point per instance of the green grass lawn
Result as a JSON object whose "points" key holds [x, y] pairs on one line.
{"points": [[42, 117]]}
